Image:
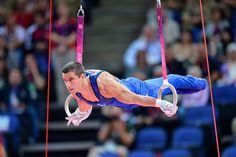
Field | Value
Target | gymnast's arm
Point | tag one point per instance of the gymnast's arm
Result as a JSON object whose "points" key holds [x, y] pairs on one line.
{"points": [[110, 87], [83, 106]]}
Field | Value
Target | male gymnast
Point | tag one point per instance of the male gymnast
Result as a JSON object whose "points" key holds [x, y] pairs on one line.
{"points": [[100, 88]]}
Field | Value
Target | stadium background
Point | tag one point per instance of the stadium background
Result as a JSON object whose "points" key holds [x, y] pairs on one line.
{"points": [[120, 37]]}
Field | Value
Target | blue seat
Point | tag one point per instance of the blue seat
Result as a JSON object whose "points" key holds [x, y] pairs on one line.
{"points": [[229, 152], [235, 140], [140, 153], [151, 138], [177, 153], [188, 137], [108, 154], [224, 95], [199, 116]]}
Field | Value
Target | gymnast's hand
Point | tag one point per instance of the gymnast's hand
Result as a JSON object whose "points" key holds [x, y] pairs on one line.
{"points": [[168, 108], [77, 117], [74, 118]]}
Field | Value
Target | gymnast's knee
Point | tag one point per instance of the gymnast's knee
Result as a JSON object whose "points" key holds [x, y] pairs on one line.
{"points": [[189, 81]]}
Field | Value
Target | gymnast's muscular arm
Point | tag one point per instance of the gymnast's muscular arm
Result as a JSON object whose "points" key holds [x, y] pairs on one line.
{"points": [[109, 87], [83, 106]]}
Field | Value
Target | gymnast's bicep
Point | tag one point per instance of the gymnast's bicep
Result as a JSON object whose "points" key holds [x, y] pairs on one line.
{"points": [[109, 87]]}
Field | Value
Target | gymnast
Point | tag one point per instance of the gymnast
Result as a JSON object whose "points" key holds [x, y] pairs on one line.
{"points": [[99, 88]]}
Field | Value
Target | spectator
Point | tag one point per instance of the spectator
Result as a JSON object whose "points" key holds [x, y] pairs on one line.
{"points": [[226, 39], [185, 51], [191, 18], [228, 68], [173, 65], [19, 105], [40, 53], [232, 7], [3, 12], [114, 135], [64, 43], [217, 24], [213, 61], [201, 60], [14, 36], [148, 42], [23, 13], [142, 70], [175, 8], [9, 122], [39, 31], [42, 6], [218, 44], [37, 43], [190, 15], [36, 84], [197, 99], [171, 28]]}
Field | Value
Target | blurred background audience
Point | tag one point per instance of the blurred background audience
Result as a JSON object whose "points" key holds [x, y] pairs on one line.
{"points": [[24, 31]]}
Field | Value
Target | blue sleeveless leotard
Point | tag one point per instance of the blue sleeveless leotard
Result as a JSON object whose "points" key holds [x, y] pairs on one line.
{"points": [[183, 85]]}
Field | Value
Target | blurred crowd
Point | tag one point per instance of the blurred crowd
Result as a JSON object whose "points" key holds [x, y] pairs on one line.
{"points": [[24, 34], [24, 30], [184, 44], [122, 132], [23, 71]]}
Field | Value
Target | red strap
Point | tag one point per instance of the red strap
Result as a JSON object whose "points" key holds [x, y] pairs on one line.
{"points": [[80, 39], [49, 75], [209, 80], [162, 42]]}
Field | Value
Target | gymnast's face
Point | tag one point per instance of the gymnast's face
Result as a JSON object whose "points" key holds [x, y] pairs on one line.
{"points": [[73, 82]]}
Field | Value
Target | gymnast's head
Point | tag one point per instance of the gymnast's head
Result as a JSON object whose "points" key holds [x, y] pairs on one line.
{"points": [[73, 74]]}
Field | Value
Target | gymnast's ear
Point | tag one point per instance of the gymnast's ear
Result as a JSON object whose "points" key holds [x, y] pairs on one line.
{"points": [[82, 75]]}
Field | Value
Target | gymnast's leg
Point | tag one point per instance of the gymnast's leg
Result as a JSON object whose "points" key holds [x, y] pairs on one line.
{"points": [[183, 84]]}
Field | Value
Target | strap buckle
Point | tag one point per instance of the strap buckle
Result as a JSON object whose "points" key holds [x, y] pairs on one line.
{"points": [[159, 3], [80, 11]]}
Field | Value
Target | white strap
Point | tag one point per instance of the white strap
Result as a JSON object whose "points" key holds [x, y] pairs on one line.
{"points": [[84, 115]]}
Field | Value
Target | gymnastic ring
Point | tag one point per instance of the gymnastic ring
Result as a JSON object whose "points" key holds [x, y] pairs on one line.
{"points": [[165, 85], [67, 103]]}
